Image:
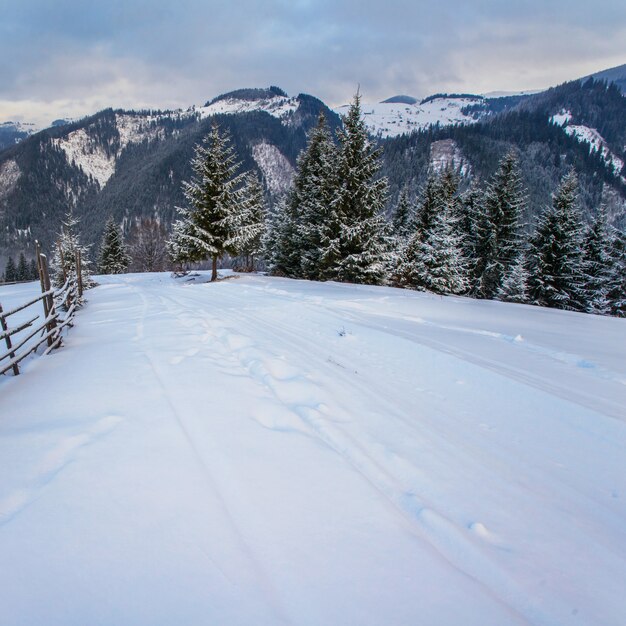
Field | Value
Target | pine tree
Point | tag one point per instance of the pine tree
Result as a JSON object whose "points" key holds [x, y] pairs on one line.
{"points": [[468, 216], [22, 269], [114, 258], [356, 237], [279, 242], [515, 285], [403, 217], [617, 283], [598, 265], [498, 227], [216, 188], [247, 223], [555, 260], [311, 199], [64, 257], [433, 259], [33, 272], [10, 271], [429, 205]]}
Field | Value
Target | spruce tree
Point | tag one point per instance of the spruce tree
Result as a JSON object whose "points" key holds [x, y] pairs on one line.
{"points": [[10, 271], [598, 265], [556, 276], [203, 229], [247, 223], [617, 282], [433, 259], [114, 258], [280, 242], [356, 240], [311, 198], [515, 284], [64, 257], [403, 217], [22, 269], [33, 272], [498, 227]]}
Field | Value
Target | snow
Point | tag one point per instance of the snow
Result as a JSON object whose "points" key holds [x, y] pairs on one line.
{"points": [[562, 118], [446, 153], [393, 119], [88, 153], [9, 175], [596, 144], [271, 451], [278, 106], [274, 166]]}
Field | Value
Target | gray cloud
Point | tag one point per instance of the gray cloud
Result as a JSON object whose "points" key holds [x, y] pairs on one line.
{"points": [[67, 57]]}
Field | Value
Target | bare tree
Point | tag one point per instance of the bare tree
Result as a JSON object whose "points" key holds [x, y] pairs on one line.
{"points": [[147, 246]]}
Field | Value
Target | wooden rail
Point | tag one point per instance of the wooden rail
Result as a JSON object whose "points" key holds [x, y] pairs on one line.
{"points": [[58, 305]]}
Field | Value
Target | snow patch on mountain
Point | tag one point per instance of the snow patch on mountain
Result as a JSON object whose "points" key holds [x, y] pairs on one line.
{"points": [[447, 154], [596, 144], [562, 119], [390, 119], [93, 158], [274, 166], [9, 175], [281, 107]]}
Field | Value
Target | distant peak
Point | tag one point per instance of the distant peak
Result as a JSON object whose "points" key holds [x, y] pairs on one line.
{"points": [[400, 100], [251, 94]]}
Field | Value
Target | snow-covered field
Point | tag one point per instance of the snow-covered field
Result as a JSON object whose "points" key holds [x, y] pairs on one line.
{"points": [[269, 451]]}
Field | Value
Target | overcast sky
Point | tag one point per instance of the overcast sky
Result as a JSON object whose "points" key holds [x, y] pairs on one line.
{"points": [[63, 58]]}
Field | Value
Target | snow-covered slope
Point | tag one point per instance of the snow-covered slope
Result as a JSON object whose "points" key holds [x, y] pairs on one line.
{"points": [[268, 451], [99, 161], [278, 106], [389, 119], [590, 136]]}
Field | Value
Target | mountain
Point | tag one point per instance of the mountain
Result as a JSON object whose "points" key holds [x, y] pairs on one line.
{"points": [[615, 75], [578, 124], [132, 163], [13, 132], [128, 164]]}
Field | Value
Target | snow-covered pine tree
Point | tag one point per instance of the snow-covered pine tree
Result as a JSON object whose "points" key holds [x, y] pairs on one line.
{"points": [[64, 256], [247, 223], [357, 240], [215, 189], [617, 290], [468, 209], [428, 206], [433, 259], [114, 258], [499, 230], [280, 242], [403, 217], [597, 265], [311, 198], [555, 257], [515, 285]]}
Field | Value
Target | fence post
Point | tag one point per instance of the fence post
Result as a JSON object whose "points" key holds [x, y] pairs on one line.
{"points": [[79, 273], [42, 282], [51, 312], [5, 328]]}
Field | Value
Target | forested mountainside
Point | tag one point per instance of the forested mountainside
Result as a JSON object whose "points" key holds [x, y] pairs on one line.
{"points": [[578, 124], [128, 164]]}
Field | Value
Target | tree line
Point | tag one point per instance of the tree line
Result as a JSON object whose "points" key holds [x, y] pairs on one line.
{"points": [[331, 225]]}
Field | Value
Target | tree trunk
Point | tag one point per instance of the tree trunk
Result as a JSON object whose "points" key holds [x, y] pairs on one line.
{"points": [[214, 269]]}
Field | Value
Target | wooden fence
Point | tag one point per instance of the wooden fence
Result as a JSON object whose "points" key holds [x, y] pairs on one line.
{"points": [[58, 306]]}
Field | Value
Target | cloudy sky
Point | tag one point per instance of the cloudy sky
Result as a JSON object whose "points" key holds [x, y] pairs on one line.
{"points": [[62, 58]]}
